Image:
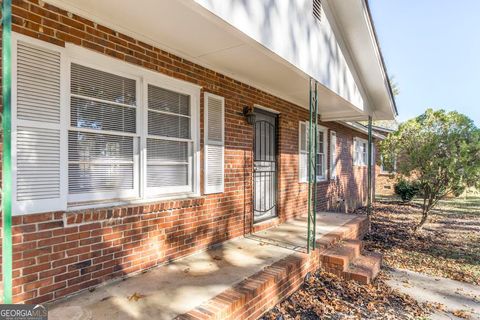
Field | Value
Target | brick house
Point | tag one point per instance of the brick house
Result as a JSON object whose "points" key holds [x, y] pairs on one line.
{"points": [[131, 145], [384, 179]]}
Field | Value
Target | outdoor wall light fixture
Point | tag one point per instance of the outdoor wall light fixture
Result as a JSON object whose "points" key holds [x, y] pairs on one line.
{"points": [[249, 114]]}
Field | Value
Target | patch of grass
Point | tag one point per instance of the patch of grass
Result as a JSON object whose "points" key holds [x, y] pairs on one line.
{"points": [[461, 205]]}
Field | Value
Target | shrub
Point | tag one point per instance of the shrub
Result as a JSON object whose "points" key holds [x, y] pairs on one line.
{"points": [[406, 189]]}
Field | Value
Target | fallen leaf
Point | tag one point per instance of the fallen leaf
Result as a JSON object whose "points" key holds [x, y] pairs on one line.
{"points": [[135, 297]]}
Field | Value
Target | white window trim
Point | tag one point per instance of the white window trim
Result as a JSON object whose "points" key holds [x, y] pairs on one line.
{"points": [[322, 176], [382, 168], [193, 187], [118, 194], [101, 62], [304, 178], [333, 156], [357, 162], [73, 53]]}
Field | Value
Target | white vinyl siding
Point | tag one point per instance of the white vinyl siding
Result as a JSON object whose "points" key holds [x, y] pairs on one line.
{"points": [[303, 152], [37, 142], [333, 155], [214, 143], [88, 128]]}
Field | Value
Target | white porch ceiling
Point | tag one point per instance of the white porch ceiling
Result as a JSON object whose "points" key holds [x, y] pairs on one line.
{"points": [[184, 28]]}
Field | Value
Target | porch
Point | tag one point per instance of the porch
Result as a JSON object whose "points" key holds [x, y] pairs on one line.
{"points": [[240, 278]]}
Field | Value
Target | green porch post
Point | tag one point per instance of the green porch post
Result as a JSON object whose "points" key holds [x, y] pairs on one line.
{"points": [[312, 166], [309, 216], [369, 175], [6, 170]]}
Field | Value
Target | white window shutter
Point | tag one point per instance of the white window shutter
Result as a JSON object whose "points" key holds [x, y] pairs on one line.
{"points": [[333, 155], [303, 152], [355, 152], [39, 142], [214, 124]]}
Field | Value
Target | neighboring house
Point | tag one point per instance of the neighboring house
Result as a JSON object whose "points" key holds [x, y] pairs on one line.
{"points": [[130, 142], [385, 179]]}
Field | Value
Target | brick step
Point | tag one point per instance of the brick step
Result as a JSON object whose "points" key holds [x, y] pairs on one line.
{"points": [[364, 268], [337, 259], [250, 298], [353, 230]]}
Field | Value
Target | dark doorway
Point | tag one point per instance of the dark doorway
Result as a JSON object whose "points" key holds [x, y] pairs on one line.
{"points": [[264, 166]]}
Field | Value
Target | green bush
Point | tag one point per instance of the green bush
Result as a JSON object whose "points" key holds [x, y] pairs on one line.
{"points": [[406, 189]]}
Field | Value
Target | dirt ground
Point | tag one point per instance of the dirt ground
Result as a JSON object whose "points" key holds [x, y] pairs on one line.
{"points": [[448, 246], [325, 296]]}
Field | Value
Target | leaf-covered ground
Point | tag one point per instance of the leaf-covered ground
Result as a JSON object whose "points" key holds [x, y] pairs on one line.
{"points": [[448, 246], [325, 296]]}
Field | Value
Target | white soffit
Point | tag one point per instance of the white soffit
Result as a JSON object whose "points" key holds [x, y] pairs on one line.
{"points": [[186, 29], [355, 27]]}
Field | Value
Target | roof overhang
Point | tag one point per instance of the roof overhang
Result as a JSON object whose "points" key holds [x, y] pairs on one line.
{"points": [[355, 25], [361, 128], [196, 34]]}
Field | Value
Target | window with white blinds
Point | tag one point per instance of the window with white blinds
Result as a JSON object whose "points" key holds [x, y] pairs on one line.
{"points": [[102, 137], [360, 151], [169, 141], [214, 143], [87, 127], [333, 155], [321, 152]]}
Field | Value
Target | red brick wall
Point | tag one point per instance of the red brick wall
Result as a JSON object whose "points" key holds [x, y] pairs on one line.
{"points": [[56, 254], [384, 182]]}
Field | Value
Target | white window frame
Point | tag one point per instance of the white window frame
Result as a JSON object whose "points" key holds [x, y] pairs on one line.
{"points": [[303, 154], [143, 77], [360, 159], [152, 192], [382, 168], [333, 155], [118, 194], [322, 176]]}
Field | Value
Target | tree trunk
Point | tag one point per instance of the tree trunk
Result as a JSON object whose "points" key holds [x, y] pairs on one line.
{"points": [[419, 226]]}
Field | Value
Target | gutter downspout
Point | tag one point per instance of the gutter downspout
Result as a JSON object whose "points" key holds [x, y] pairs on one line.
{"points": [[6, 168]]}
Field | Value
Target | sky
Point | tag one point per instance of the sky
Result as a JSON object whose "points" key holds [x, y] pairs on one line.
{"points": [[432, 48]]}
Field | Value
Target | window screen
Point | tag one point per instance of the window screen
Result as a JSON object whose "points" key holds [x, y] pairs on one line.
{"points": [[101, 141], [169, 140]]}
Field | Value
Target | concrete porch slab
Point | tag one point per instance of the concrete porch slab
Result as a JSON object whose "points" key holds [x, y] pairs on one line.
{"points": [[174, 289], [293, 234]]}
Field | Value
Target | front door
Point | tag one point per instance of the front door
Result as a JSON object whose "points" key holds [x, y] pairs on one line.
{"points": [[264, 166]]}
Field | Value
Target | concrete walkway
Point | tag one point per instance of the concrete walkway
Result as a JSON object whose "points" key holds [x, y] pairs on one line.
{"points": [[176, 288], [454, 295]]}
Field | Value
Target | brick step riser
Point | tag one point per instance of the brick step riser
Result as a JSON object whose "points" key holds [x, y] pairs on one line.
{"points": [[330, 259], [254, 296]]}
